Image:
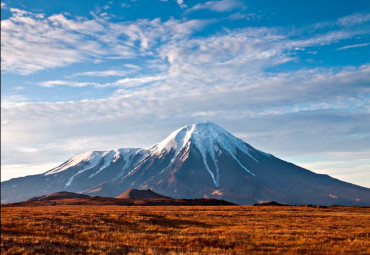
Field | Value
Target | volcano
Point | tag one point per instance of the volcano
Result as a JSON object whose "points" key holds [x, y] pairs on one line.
{"points": [[140, 194], [201, 160]]}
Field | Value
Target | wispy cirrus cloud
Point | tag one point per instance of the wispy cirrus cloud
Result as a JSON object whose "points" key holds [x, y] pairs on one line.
{"points": [[137, 81], [125, 82], [231, 60], [124, 71], [53, 83], [105, 73], [33, 42], [354, 46], [218, 6], [238, 58], [354, 19]]}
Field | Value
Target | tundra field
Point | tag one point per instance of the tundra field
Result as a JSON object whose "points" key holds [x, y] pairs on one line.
{"points": [[184, 229]]}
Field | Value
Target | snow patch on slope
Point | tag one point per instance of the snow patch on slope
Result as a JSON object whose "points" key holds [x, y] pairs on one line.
{"points": [[87, 161], [109, 157], [90, 157], [92, 160], [173, 141], [128, 156]]}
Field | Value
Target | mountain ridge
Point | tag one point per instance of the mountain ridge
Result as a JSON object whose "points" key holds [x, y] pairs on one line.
{"points": [[195, 161]]}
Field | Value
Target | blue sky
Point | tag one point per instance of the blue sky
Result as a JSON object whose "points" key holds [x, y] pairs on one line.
{"points": [[291, 78]]}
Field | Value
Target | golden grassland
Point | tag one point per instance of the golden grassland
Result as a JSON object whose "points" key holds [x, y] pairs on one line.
{"points": [[184, 229]]}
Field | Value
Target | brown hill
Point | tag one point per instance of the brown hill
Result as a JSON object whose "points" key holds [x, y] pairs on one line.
{"points": [[141, 194], [122, 201], [58, 195], [129, 197]]}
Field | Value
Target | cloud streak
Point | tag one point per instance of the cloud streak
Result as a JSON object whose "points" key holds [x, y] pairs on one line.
{"points": [[49, 84], [125, 82], [105, 73], [353, 19], [354, 46], [218, 6]]}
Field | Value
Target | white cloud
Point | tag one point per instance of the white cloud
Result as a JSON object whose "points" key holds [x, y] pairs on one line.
{"points": [[13, 99], [79, 26], [32, 42], [125, 82], [49, 84], [105, 73], [354, 46], [236, 58], [137, 81], [353, 19], [218, 6], [150, 33], [181, 3]]}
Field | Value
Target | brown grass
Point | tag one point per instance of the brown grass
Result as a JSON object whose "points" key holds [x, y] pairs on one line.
{"points": [[184, 229]]}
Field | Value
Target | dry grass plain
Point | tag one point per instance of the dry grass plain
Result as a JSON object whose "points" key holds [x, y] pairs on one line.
{"points": [[184, 229]]}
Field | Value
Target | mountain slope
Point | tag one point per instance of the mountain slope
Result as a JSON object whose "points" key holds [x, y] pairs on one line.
{"points": [[77, 174], [204, 160], [199, 160]]}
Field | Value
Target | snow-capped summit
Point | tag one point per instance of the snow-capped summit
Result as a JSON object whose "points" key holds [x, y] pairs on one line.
{"points": [[197, 160], [210, 140], [206, 136]]}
